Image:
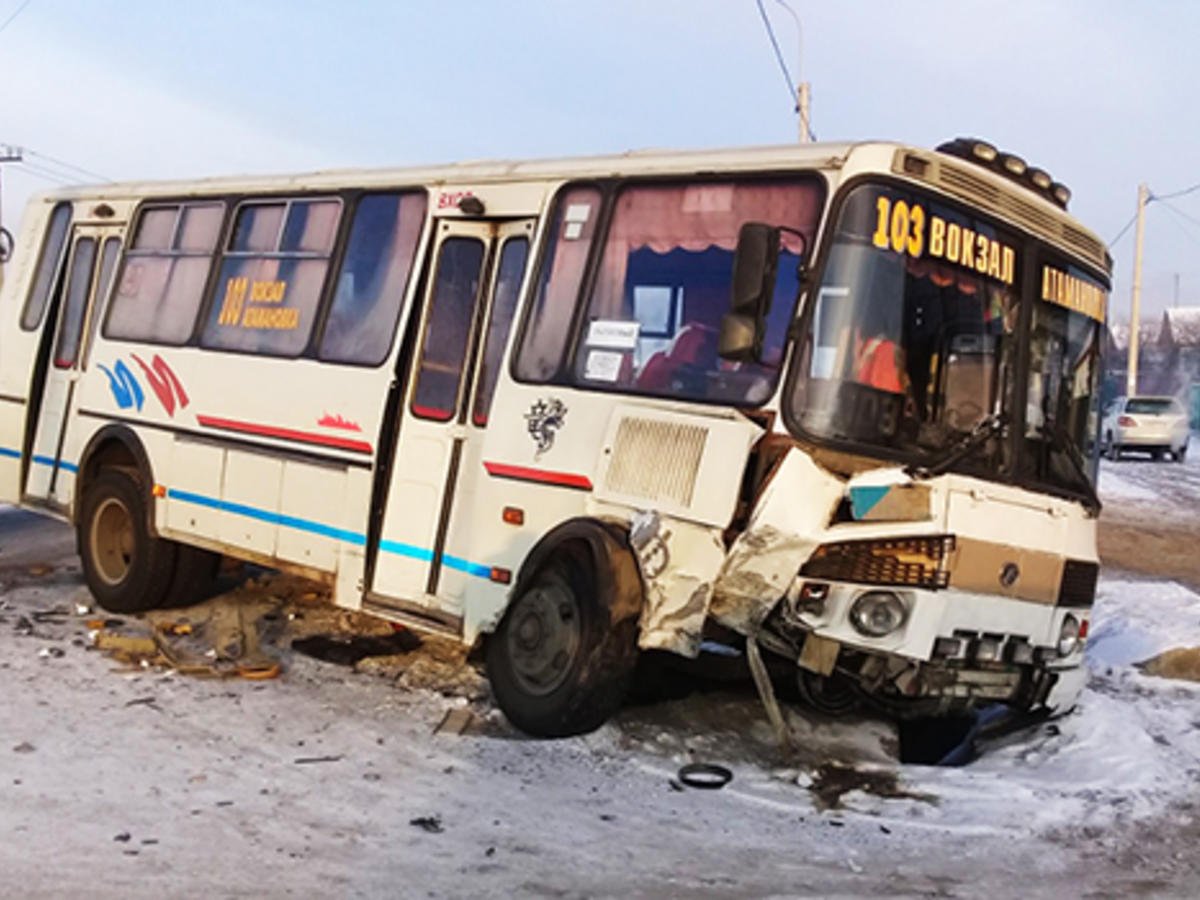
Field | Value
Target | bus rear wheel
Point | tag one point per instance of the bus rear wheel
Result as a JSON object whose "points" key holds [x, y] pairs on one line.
{"points": [[556, 663], [126, 568]]}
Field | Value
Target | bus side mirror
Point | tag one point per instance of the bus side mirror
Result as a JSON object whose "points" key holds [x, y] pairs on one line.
{"points": [[754, 263]]}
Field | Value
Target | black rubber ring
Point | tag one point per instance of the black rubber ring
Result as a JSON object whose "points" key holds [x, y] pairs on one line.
{"points": [[706, 776]]}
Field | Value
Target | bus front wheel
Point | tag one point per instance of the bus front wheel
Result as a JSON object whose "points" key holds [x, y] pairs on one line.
{"points": [[127, 568], [557, 664]]}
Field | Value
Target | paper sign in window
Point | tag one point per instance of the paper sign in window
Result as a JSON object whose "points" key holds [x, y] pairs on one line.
{"points": [[603, 365], [613, 333]]}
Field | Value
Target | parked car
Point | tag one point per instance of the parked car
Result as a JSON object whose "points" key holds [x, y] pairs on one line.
{"points": [[1155, 425]]}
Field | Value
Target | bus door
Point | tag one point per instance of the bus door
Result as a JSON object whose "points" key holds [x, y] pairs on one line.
{"points": [[69, 330], [441, 424]]}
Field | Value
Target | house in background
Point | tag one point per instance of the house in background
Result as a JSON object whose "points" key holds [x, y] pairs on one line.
{"points": [[1168, 359]]}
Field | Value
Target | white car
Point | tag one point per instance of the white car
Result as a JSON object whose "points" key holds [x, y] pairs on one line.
{"points": [[1155, 425]]}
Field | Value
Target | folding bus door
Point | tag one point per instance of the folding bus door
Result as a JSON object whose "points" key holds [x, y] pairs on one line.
{"points": [[90, 268], [414, 569]]}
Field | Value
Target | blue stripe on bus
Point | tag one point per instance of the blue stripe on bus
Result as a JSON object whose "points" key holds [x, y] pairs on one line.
{"points": [[52, 462], [350, 537], [5, 451], [467, 566]]}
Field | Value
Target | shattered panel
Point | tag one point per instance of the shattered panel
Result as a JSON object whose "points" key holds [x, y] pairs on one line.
{"points": [[786, 526]]}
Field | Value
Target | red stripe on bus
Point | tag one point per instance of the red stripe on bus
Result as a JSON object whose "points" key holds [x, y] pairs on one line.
{"points": [[521, 473], [287, 434]]}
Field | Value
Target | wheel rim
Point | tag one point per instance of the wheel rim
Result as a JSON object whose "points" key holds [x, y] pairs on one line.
{"points": [[544, 636], [112, 541]]}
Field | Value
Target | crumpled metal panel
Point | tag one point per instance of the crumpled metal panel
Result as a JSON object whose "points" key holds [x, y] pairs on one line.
{"points": [[789, 521], [679, 561]]}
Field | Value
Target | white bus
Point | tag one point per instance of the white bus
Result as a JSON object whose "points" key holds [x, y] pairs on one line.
{"points": [[834, 401]]}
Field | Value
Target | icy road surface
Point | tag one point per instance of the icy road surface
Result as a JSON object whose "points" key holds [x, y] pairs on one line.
{"points": [[154, 784]]}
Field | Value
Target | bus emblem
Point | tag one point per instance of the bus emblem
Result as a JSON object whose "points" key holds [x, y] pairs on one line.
{"points": [[543, 419]]}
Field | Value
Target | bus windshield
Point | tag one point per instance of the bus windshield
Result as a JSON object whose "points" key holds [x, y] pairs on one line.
{"points": [[911, 346], [911, 341]]}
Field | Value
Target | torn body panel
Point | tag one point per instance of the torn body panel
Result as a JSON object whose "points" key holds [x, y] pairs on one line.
{"points": [[789, 522], [679, 561]]}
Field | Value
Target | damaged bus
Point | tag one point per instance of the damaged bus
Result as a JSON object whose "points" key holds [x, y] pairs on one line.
{"points": [[830, 403]]}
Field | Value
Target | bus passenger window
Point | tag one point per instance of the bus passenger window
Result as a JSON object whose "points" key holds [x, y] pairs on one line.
{"points": [[370, 285], [48, 263], [663, 284], [271, 277], [164, 273], [448, 329], [548, 321], [504, 304]]}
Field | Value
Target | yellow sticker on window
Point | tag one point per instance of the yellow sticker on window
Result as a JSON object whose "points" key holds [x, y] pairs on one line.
{"points": [[265, 310]]}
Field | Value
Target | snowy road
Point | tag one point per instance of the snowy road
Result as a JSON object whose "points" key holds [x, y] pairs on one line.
{"points": [[151, 784]]}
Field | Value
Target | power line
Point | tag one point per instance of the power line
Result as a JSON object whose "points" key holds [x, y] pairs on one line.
{"points": [[44, 174], [1173, 195], [1181, 215], [67, 165], [20, 9], [1121, 233], [787, 77]]}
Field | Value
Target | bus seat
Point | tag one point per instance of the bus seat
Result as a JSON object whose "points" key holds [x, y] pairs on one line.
{"points": [[694, 347]]}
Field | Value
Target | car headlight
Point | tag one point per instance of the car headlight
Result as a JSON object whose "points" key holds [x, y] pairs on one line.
{"points": [[878, 613], [1068, 636]]}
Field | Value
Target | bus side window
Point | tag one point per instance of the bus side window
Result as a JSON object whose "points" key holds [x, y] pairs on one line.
{"points": [[272, 275], [371, 283], [47, 270], [504, 304], [548, 321], [166, 267]]}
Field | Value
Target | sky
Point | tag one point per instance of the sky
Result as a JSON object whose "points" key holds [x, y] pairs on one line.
{"points": [[1097, 92]]}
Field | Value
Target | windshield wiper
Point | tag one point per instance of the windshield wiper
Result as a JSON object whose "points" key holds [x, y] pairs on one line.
{"points": [[984, 430], [1058, 435]]}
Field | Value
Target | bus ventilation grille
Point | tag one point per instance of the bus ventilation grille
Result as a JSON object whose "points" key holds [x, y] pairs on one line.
{"points": [[1078, 587], [656, 460]]}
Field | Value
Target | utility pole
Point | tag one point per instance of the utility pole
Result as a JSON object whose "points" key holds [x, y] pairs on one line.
{"points": [[1176, 304], [7, 155], [1131, 375], [803, 96]]}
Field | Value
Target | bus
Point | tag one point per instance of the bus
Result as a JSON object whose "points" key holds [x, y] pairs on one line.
{"points": [[830, 403]]}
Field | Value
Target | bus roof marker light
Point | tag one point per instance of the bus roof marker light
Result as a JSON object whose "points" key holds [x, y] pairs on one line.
{"points": [[1013, 165], [1041, 179], [471, 205], [983, 151], [1061, 194]]}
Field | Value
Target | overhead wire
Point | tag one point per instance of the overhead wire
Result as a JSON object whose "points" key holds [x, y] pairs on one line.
{"points": [[20, 9], [787, 76], [66, 165]]}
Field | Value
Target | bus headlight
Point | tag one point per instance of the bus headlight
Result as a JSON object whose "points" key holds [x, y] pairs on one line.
{"points": [[878, 613], [1068, 636]]}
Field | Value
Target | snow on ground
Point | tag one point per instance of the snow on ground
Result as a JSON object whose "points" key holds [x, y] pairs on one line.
{"points": [[145, 783]]}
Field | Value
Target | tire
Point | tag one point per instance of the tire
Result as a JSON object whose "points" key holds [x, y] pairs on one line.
{"points": [[127, 569], [834, 695], [558, 664], [195, 575], [1113, 451], [1181, 454]]}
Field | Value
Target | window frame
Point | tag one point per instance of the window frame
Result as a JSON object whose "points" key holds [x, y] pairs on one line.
{"points": [[148, 204], [55, 273], [610, 189], [332, 258], [352, 200]]}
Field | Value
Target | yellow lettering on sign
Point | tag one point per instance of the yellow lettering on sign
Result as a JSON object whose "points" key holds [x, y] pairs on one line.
{"points": [[1075, 294], [904, 227]]}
